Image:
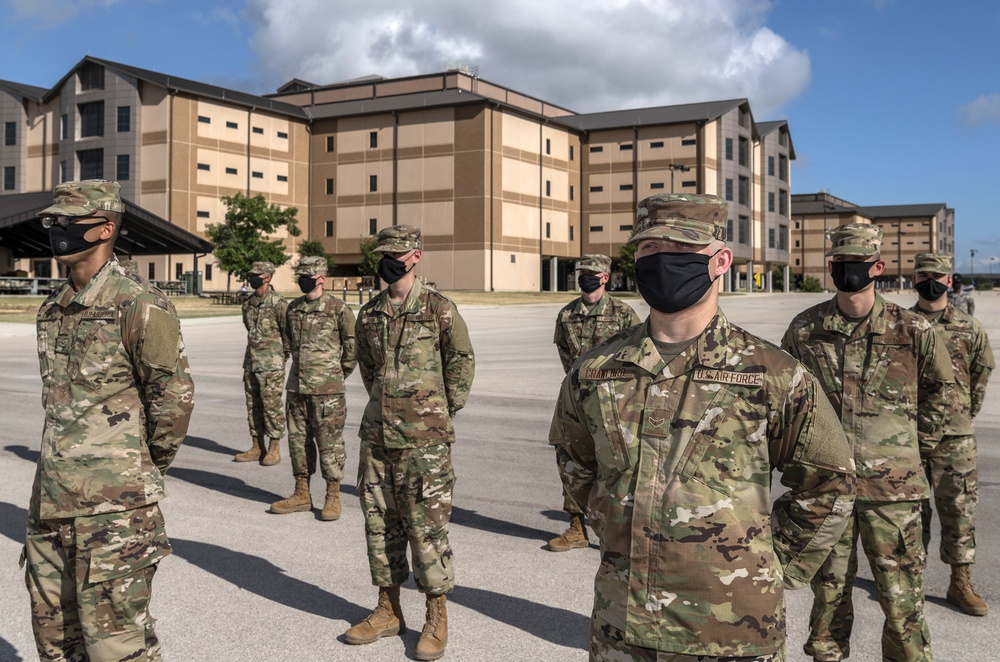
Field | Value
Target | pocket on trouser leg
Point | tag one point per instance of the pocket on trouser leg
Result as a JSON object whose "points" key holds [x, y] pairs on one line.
{"points": [[121, 625], [52, 590]]}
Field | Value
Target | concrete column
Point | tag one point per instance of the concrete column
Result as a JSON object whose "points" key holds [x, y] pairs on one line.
{"points": [[769, 283], [553, 274], [788, 278]]}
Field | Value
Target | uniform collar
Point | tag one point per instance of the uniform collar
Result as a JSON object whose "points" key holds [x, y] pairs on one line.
{"points": [[87, 296], [597, 309], [834, 320], [256, 300], [411, 305], [947, 313], [711, 349]]}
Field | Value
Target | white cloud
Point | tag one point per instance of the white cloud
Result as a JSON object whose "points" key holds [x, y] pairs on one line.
{"points": [[587, 55], [984, 110], [54, 12]]}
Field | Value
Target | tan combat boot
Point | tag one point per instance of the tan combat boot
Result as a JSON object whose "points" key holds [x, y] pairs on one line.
{"points": [[575, 537], [385, 621], [273, 453], [331, 508], [299, 502], [434, 637], [962, 594], [252, 455]]}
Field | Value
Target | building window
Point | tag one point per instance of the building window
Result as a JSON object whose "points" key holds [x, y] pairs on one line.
{"points": [[10, 133], [282, 135], [744, 191], [204, 120], [729, 189], [258, 130], [329, 143], [729, 230], [770, 201], [91, 119], [282, 178], [9, 178], [202, 214], [744, 152], [232, 125], [513, 259], [596, 149], [372, 226], [571, 228], [62, 171], [232, 171], [783, 203], [625, 228], [64, 127], [548, 230], [688, 142], [256, 175], [596, 189], [689, 183], [124, 119], [373, 140], [571, 153], [745, 117], [204, 166], [548, 146], [770, 166], [572, 193], [656, 145], [656, 185], [770, 237], [329, 228], [624, 187], [91, 163], [151, 271], [548, 188], [122, 163], [626, 147], [597, 228], [744, 222], [729, 149], [329, 186], [91, 77], [372, 183], [208, 272], [782, 237], [783, 168]]}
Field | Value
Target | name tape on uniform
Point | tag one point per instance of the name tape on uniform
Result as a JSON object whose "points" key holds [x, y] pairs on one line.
{"points": [[597, 374], [729, 377]]}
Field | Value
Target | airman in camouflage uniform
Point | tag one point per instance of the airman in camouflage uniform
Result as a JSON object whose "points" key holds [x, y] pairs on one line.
{"points": [[669, 433], [951, 468], [959, 299], [321, 336], [417, 364], [582, 325], [888, 377], [118, 397], [264, 366]]}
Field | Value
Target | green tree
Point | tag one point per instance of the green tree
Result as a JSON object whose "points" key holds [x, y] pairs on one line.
{"points": [[627, 256], [778, 280], [243, 238], [810, 284], [315, 247], [369, 258]]}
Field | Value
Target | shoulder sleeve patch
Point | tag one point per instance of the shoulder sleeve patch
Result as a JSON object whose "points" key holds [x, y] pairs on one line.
{"points": [[160, 338]]}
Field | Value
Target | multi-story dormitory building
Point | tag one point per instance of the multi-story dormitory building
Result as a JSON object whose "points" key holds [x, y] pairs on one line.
{"points": [[508, 189]]}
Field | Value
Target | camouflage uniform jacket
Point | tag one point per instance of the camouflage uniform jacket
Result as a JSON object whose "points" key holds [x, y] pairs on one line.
{"points": [[267, 335], [417, 363], [972, 362], [888, 378], [321, 337], [117, 394], [674, 461], [579, 330], [962, 301]]}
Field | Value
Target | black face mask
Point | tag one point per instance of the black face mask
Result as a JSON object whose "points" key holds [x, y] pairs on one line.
{"points": [[931, 289], [671, 282], [852, 276], [307, 284], [589, 282], [390, 269], [255, 280], [69, 240]]}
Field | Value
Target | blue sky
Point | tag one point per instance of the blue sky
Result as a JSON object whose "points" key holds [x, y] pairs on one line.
{"points": [[889, 101]]}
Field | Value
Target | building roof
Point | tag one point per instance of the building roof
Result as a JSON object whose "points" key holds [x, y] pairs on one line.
{"points": [[190, 87], [617, 119], [143, 233], [389, 104], [902, 211], [297, 85], [764, 128], [22, 90]]}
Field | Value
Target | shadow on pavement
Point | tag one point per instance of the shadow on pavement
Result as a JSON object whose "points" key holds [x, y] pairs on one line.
{"points": [[261, 577], [12, 524], [209, 445], [553, 624], [223, 483], [24, 453], [8, 653]]}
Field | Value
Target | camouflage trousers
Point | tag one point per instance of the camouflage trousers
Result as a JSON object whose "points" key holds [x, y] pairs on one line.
{"points": [[607, 644], [890, 535], [89, 579], [264, 411], [569, 503], [315, 427], [406, 498], [953, 478]]}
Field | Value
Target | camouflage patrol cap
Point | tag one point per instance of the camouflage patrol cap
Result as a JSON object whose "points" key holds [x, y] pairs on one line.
{"points": [[311, 265], [261, 268], [682, 217], [399, 239], [595, 262], [934, 263], [84, 198], [856, 239]]}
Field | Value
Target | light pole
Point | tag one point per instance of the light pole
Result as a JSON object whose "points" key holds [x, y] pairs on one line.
{"points": [[899, 251], [972, 256], [992, 260], [674, 167], [826, 237]]}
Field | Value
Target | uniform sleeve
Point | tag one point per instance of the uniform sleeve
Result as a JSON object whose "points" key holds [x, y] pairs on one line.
{"points": [[972, 306], [363, 354], [281, 310], [981, 365], [789, 343], [574, 444], [934, 380], [808, 445], [458, 359], [153, 340], [562, 345], [348, 356], [629, 316]]}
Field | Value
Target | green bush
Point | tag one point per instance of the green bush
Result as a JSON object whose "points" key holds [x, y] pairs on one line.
{"points": [[811, 284]]}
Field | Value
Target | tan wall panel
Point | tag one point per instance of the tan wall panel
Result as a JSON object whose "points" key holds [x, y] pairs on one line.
{"points": [[472, 220], [520, 177], [426, 127], [155, 110], [352, 179], [520, 134], [435, 219], [522, 275], [436, 173], [519, 221]]}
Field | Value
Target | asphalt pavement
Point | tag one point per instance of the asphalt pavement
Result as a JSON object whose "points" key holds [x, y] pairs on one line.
{"points": [[245, 585]]}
